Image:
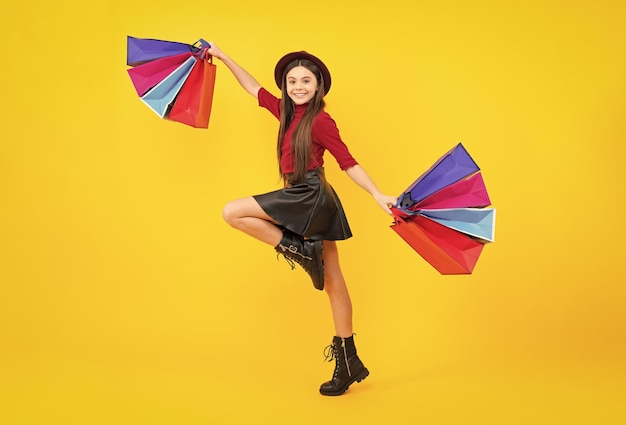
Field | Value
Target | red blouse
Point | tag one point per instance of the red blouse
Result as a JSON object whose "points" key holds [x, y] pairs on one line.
{"points": [[325, 136]]}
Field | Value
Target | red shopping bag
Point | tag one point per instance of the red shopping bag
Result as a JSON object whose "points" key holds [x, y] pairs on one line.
{"points": [[447, 250], [195, 99]]}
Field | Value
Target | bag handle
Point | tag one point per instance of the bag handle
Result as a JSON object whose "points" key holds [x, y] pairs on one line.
{"points": [[203, 50], [203, 43]]}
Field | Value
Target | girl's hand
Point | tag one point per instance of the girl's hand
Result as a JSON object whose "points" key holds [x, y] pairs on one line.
{"points": [[215, 51], [385, 202]]}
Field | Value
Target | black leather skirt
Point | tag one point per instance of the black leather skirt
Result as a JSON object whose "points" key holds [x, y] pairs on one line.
{"points": [[310, 208]]}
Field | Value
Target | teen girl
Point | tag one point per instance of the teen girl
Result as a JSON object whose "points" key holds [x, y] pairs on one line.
{"points": [[305, 218]]}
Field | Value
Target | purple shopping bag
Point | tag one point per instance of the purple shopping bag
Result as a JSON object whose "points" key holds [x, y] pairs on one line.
{"points": [[453, 166], [141, 50]]}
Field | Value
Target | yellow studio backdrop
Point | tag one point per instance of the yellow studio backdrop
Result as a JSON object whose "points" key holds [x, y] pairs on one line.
{"points": [[125, 298]]}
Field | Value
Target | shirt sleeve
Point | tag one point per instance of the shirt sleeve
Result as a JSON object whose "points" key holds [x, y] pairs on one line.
{"points": [[326, 133], [269, 102]]}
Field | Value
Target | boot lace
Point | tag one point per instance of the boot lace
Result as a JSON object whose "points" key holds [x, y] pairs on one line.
{"points": [[289, 261], [330, 353], [297, 256]]}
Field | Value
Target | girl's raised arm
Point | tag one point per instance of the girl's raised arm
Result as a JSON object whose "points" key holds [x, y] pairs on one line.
{"points": [[247, 81]]}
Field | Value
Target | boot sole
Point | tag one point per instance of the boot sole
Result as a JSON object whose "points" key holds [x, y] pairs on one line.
{"points": [[358, 378]]}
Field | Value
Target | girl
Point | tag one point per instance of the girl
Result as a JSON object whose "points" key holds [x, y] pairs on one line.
{"points": [[305, 218]]}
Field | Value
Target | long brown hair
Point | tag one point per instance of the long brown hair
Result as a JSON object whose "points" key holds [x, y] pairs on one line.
{"points": [[301, 141]]}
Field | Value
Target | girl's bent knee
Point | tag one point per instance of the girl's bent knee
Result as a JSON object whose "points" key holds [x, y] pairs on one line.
{"points": [[229, 214]]}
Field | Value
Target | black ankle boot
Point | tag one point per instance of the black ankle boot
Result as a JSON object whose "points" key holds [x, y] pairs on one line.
{"points": [[307, 253], [348, 366]]}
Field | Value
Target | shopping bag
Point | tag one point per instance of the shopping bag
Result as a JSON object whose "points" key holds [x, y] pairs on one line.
{"points": [[469, 192], [476, 222], [149, 74], [141, 50], [455, 165], [442, 215], [161, 96], [447, 250], [194, 101]]}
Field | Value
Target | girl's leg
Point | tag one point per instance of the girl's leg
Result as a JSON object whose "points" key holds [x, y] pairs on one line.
{"points": [[246, 215], [348, 366], [335, 287]]}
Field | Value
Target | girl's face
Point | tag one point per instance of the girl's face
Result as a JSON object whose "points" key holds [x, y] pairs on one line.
{"points": [[301, 85]]}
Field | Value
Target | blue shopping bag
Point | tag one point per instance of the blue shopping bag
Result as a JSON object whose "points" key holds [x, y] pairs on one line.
{"points": [[161, 97]]}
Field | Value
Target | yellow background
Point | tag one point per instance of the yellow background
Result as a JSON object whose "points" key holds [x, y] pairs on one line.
{"points": [[125, 298]]}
